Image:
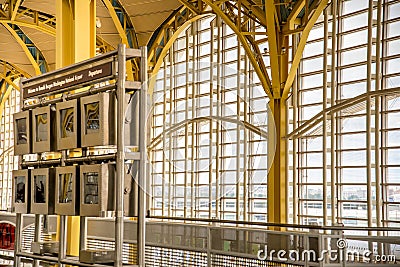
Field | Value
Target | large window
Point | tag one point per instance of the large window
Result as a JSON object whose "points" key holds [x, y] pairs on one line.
{"points": [[7, 160], [351, 160], [208, 162]]}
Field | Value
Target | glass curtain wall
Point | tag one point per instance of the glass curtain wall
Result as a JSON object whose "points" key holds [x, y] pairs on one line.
{"points": [[209, 129], [8, 162], [351, 160]]}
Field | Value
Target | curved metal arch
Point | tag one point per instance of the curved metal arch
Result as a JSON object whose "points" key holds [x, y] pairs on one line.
{"points": [[158, 139], [14, 69], [5, 94], [162, 42], [125, 30], [33, 53], [38, 20], [166, 48], [9, 81], [351, 102]]}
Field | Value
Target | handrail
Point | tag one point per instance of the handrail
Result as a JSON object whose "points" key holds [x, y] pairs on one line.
{"points": [[283, 225]]}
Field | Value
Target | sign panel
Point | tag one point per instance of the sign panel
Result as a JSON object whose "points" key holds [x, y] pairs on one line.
{"points": [[71, 79]]}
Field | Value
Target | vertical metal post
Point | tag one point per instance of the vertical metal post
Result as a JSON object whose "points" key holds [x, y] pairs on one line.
{"points": [[18, 239], [378, 144], [36, 237], [62, 239], [143, 159], [324, 127], [295, 181], [119, 181], [333, 121], [368, 118]]}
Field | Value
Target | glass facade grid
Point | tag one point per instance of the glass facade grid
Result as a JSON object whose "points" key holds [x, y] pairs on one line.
{"points": [[349, 165], [209, 167], [8, 162]]}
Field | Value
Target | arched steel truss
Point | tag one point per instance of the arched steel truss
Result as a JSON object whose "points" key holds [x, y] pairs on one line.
{"points": [[241, 16]]}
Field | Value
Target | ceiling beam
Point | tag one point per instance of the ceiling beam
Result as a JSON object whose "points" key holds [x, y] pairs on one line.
{"points": [[242, 39], [122, 34], [297, 8], [192, 8], [9, 81], [15, 8], [24, 48], [300, 47]]}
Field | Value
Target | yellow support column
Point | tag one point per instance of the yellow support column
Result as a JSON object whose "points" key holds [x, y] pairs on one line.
{"points": [[277, 176], [76, 41]]}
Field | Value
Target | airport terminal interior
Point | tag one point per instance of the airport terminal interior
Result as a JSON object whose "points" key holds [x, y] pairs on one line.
{"points": [[215, 133]]}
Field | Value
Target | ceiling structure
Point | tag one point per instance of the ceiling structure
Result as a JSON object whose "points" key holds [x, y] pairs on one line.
{"points": [[28, 27]]}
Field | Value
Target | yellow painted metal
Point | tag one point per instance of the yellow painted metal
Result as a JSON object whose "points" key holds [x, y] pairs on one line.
{"points": [[257, 11], [76, 41], [15, 9], [242, 39], [277, 179], [190, 6], [122, 35], [9, 81], [85, 29], [6, 91], [24, 47], [300, 48], [64, 34], [273, 47], [37, 26], [165, 50], [291, 20]]}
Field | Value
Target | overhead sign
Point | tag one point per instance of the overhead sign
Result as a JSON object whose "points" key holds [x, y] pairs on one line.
{"points": [[68, 80]]}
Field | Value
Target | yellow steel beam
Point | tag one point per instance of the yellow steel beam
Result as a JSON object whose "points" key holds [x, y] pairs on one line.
{"points": [[75, 41], [14, 69], [122, 34], [15, 9], [300, 48], [293, 14], [190, 6], [273, 47], [6, 93], [257, 11], [37, 26], [64, 34], [277, 180], [9, 81], [166, 48], [24, 47], [242, 39], [85, 29]]}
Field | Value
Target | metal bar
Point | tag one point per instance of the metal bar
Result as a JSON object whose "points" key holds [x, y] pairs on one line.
{"points": [[378, 144], [40, 162], [333, 98], [91, 91], [283, 225], [119, 184], [368, 115], [325, 117], [62, 239], [295, 142], [273, 47], [89, 158], [300, 47], [143, 160], [36, 238], [18, 239]]}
